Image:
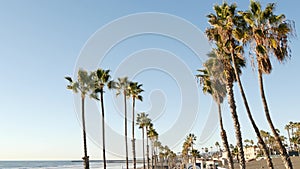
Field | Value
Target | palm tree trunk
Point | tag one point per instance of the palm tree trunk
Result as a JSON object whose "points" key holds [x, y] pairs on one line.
{"points": [[133, 138], [86, 157], [152, 153], [155, 161], [155, 157], [143, 133], [257, 132], [289, 136], [147, 153], [224, 139], [284, 155], [195, 158], [126, 144], [161, 163], [238, 134], [103, 129]]}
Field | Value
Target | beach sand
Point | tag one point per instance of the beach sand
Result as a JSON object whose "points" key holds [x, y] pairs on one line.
{"points": [[276, 161], [262, 164]]}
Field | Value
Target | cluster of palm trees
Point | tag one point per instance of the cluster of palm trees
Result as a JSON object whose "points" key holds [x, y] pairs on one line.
{"points": [[92, 84], [188, 150], [232, 32], [293, 130], [144, 123], [159, 153], [270, 141]]}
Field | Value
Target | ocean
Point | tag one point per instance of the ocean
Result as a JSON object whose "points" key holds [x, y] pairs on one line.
{"points": [[58, 165]]}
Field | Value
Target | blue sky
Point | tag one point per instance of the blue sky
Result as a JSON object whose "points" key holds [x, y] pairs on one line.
{"points": [[41, 41]]}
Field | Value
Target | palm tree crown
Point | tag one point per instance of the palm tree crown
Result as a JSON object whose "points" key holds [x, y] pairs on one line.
{"points": [[84, 84], [135, 90]]}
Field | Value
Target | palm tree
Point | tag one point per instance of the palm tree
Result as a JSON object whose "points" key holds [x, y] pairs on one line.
{"points": [[195, 153], [270, 35], [101, 78], [122, 86], [161, 156], [232, 30], [268, 139], [156, 144], [213, 83], [134, 91], [220, 33], [287, 128], [153, 135], [142, 121], [166, 154], [190, 140], [172, 160], [235, 152], [295, 141], [147, 142], [185, 153], [83, 85]]}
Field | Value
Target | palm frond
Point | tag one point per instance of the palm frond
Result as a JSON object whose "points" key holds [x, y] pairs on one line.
{"points": [[69, 79]]}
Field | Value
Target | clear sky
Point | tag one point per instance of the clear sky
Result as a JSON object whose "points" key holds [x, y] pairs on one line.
{"points": [[40, 42]]}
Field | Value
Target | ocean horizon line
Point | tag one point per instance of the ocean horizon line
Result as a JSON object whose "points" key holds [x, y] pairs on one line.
{"points": [[42, 160]]}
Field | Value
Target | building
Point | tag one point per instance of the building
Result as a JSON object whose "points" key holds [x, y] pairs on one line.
{"points": [[251, 152]]}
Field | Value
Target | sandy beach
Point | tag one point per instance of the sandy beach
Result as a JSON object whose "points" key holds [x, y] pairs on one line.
{"points": [[262, 164], [277, 163]]}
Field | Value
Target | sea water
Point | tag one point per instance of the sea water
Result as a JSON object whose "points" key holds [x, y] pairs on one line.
{"points": [[57, 165]]}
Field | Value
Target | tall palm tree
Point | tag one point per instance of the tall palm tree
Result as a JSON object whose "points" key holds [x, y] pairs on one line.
{"points": [[101, 78], [161, 156], [148, 125], [269, 34], [166, 154], [84, 84], [233, 29], [156, 144], [153, 135], [142, 121], [122, 86], [188, 147], [185, 153], [134, 91], [191, 138], [287, 128], [213, 82], [220, 32]]}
